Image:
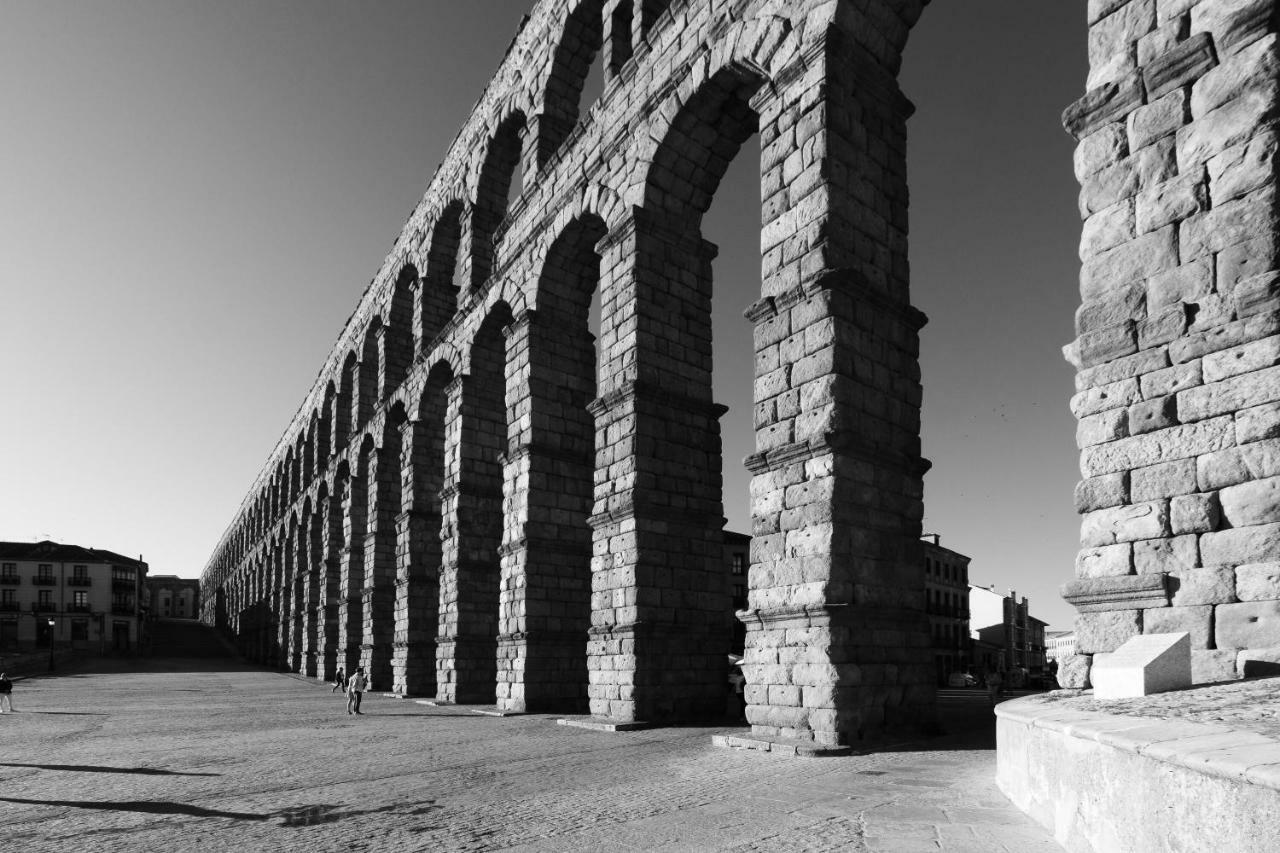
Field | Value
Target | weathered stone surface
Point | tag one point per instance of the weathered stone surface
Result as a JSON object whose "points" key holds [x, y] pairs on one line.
{"points": [[1232, 23], [1109, 593], [1100, 492], [1156, 556], [1186, 283], [1105, 561], [1104, 147], [1178, 442], [1243, 545], [1246, 358], [1258, 423], [1145, 168], [1228, 224], [1124, 524], [1232, 334], [1259, 294], [1170, 201], [1127, 303], [1197, 513], [1162, 326], [1073, 672], [1106, 345], [1102, 427], [1107, 228], [1258, 582], [1105, 397], [1151, 663], [1230, 124], [1138, 259], [1253, 66], [1229, 395], [1164, 480], [1155, 44], [1209, 666], [1252, 503], [1104, 103], [1107, 631], [1202, 586], [1246, 260], [1117, 371], [1238, 464], [1195, 621], [1243, 168], [1152, 415], [1158, 119], [1171, 380], [1248, 625], [1179, 66]]}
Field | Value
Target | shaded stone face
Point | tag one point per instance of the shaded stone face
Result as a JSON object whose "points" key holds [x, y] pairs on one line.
{"points": [[1179, 332]]}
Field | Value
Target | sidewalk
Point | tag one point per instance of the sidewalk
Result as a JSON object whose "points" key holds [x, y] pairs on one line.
{"points": [[228, 757]]}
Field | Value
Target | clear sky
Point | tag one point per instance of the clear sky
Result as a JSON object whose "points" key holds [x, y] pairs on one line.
{"points": [[196, 194]]}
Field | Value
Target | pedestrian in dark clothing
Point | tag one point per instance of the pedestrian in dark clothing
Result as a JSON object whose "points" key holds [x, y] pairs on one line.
{"points": [[6, 694], [340, 681], [355, 689]]}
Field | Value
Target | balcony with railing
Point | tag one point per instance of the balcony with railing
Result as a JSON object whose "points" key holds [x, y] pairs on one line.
{"points": [[123, 585], [44, 580], [80, 581], [10, 607], [124, 610], [78, 608], [43, 607], [10, 580]]}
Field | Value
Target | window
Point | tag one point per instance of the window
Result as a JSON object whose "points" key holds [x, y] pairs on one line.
{"points": [[9, 568], [122, 573], [46, 596], [80, 572], [80, 630], [44, 572], [739, 564], [81, 600], [8, 596]]}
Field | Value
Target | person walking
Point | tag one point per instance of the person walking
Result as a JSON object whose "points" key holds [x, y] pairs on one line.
{"points": [[995, 680], [339, 681], [355, 689], [6, 694]]}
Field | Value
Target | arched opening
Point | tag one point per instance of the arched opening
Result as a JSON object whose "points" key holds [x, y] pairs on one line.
{"points": [[576, 79], [313, 531], [324, 446], [438, 296], [294, 568], [501, 161], [400, 345], [369, 373], [346, 394], [330, 566], [309, 450], [351, 604], [471, 595], [417, 614]]}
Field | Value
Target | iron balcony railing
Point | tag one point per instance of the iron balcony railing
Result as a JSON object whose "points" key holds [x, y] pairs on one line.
{"points": [[83, 581], [77, 608], [44, 580], [10, 606], [124, 610], [43, 607], [10, 579]]}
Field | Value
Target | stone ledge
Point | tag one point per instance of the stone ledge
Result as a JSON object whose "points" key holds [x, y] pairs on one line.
{"points": [[484, 710], [1204, 747], [781, 746]]}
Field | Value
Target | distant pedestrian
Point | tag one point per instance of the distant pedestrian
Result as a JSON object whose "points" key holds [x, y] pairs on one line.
{"points": [[6, 694], [340, 681], [355, 689], [994, 682]]}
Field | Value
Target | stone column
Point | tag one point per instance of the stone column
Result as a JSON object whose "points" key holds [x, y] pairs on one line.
{"points": [[281, 566], [378, 593], [837, 644], [417, 566], [312, 617], [1178, 333], [350, 597], [332, 531], [660, 601], [545, 596], [466, 647]]}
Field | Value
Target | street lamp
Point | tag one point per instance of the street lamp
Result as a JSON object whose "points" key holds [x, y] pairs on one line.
{"points": [[51, 623]]}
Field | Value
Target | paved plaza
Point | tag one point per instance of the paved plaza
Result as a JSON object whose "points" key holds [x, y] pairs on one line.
{"points": [[210, 756]]}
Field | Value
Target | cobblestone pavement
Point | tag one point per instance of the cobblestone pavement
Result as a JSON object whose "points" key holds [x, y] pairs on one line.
{"points": [[237, 758], [1247, 706]]}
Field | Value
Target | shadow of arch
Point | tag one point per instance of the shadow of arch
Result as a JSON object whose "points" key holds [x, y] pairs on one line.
{"points": [[141, 806]]}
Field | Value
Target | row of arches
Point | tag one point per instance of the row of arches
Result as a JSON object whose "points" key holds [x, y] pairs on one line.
{"points": [[527, 510]]}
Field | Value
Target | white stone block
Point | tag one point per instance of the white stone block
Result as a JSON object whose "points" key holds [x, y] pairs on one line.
{"points": [[1151, 663]]}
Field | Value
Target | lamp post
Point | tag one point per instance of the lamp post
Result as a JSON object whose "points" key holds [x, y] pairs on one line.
{"points": [[51, 624]]}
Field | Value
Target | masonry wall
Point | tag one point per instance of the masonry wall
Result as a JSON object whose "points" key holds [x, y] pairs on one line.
{"points": [[1178, 401], [474, 505]]}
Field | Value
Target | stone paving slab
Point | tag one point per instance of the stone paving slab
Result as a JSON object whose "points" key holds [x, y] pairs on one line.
{"points": [[235, 758]]}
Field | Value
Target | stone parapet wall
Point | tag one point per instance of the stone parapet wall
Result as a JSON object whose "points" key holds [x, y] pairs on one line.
{"points": [[1178, 333]]}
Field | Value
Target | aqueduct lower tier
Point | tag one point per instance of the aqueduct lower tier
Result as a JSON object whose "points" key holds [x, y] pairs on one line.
{"points": [[479, 501]]}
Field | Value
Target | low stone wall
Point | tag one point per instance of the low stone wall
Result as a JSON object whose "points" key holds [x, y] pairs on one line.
{"points": [[1112, 784]]}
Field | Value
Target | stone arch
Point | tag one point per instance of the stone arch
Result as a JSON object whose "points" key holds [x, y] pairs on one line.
{"points": [[501, 159], [383, 475], [324, 428], [438, 294], [342, 420], [369, 385], [309, 450], [581, 38], [400, 344]]}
